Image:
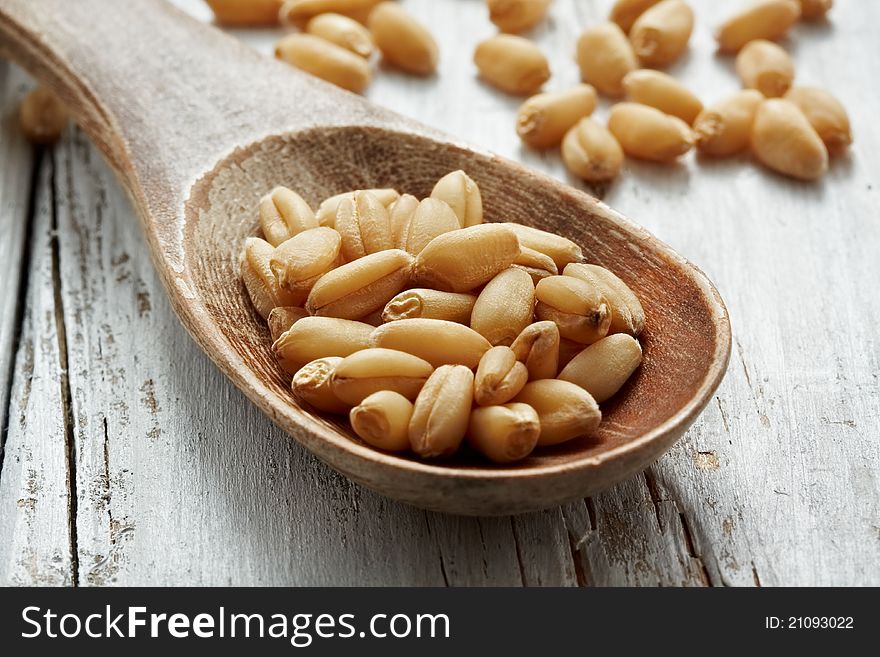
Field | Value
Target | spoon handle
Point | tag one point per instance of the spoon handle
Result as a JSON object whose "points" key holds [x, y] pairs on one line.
{"points": [[163, 95]]}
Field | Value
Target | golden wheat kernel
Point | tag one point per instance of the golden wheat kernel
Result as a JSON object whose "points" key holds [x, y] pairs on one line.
{"points": [[585, 329], [627, 314], [430, 304], [661, 34], [430, 219], [364, 225], [357, 288], [500, 377], [504, 307], [283, 214], [435, 340], [511, 63], [282, 318], [602, 368], [251, 13], [517, 15], [538, 348], [578, 308], [42, 116], [783, 140], [657, 89], [311, 338], [568, 294], [311, 384], [461, 260], [826, 114], [300, 261], [765, 66], [561, 249], [403, 41], [382, 420], [543, 120], [343, 31], [400, 214], [326, 213], [324, 60], [813, 10], [763, 19], [442, 411], [725, 128], [504, 434], [649, 134], [565, 410], [591, 152], [370, 370], [462, 194], [300, 12], [604, 57], [260, 282], [536, 264], [625, 12]]}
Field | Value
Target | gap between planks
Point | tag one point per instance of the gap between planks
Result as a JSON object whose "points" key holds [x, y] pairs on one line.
{"points": [[64, 382], [44, 156], [21, 297]]}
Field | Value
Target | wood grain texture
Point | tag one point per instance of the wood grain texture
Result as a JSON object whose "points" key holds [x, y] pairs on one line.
{"points": [[15, 200], [36, 506], [775, 484]]}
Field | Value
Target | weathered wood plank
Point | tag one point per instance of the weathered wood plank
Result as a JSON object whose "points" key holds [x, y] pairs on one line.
{"points": [[476, 551], [15, 197], [544, 549], [35, 502]]}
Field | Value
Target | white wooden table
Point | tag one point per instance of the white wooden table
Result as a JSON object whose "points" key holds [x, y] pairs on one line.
{"points": [[128, 459]]}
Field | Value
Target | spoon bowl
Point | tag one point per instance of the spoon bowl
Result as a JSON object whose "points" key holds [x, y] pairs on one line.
{"points": [[197, 156]]}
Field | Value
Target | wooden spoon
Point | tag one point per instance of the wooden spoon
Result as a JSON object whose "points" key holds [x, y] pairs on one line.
{"points": [[198, 127]]}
